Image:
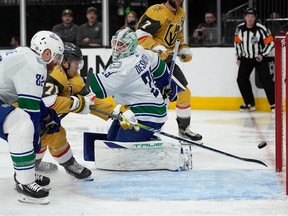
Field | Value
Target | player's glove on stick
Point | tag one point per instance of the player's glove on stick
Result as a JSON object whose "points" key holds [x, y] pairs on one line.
{"points": [[91, 95], [81, 104], [53, 122], [162, 51], [185, 54], [166, 91], [129, 119]]}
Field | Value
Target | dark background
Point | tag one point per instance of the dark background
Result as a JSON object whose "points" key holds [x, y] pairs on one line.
{"points": [[43, 15]]}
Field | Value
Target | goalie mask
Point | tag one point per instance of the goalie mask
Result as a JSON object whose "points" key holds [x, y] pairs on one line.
{"points": [[124, 43], [73, 54], [43, 40]]}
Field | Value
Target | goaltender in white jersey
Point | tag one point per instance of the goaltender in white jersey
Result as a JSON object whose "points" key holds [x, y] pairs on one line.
{"points": [[137, 77]]}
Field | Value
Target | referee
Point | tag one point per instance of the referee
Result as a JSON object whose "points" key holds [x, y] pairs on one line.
{"points": [[253, 42]]}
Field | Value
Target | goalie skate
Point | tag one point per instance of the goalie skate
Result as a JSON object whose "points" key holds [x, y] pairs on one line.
{"points": [[78, 171]]}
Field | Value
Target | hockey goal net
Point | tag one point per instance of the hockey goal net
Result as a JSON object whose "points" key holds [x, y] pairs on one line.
{"points": [[281, 124]]}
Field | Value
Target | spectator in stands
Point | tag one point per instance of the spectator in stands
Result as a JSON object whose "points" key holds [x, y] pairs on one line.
{"points": [[253, 42], [274, 15], [131, 20], [15, 41], [205, 33], [90, 33], [67, 30], [274, 24], [197, 38]]}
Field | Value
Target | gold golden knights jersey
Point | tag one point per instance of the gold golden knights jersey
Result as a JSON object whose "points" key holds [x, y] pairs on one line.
{"points": [[58, 89], [159, 25]]}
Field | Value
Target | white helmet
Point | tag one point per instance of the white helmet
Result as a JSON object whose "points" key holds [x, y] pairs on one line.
{"points": [[124, 43], [43, 40]]}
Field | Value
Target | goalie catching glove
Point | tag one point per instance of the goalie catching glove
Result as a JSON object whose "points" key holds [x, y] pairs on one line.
{"points": [[129, 120], [81, 104]]}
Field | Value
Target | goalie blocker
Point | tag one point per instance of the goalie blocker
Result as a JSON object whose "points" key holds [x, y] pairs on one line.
{"points": [[136, 156]]}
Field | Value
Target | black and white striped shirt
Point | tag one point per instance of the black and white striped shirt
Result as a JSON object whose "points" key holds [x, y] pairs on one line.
{"points": [[251, 42]]}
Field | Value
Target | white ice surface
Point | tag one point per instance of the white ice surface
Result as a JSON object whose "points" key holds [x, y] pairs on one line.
{"points": [[217, 185]]}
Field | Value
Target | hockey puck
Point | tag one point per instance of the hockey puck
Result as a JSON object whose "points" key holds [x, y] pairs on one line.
{"points": [[262, 145]]}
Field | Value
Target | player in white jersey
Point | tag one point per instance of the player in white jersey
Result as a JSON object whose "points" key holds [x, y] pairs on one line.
{"points": [[136, 78], [23, 72]]}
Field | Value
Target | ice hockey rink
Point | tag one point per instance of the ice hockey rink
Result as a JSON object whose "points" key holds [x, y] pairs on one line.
{"points": [[217, 185]]}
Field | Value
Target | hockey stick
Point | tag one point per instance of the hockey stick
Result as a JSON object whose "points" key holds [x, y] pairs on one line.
{"points": [[170, 53], [86, 89], [89, 77], [172, 65], [173, 61], [181, 139]]}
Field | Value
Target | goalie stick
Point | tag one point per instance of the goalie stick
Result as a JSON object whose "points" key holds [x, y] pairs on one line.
{"points": [[182, 139]]}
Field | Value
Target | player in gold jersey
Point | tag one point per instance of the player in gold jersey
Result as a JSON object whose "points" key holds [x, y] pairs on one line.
{"points": [[65, 91], [158, 30]]}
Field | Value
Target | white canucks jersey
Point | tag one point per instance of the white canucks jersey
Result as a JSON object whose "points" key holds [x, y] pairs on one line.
{"points": [[131, 81], [22, 80]]}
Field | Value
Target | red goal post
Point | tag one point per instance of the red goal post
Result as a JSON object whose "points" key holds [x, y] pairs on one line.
{"points": [[281, 106]]}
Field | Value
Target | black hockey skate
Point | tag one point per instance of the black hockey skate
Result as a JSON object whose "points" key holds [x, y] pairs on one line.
{"points": [[31, 193], [188, 134], [73, 168], [247, 108], [39, 179], [42, 180]]}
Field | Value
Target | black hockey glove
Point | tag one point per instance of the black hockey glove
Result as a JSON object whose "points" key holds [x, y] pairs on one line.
{"points": [[167, 92], [52, 124]]}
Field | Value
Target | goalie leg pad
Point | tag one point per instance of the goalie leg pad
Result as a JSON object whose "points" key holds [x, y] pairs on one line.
{"points": [[88, 146], [186, 158], [135, 156]]}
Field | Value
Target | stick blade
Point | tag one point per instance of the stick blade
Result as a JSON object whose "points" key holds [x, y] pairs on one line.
{"points": [[255, 161]]}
